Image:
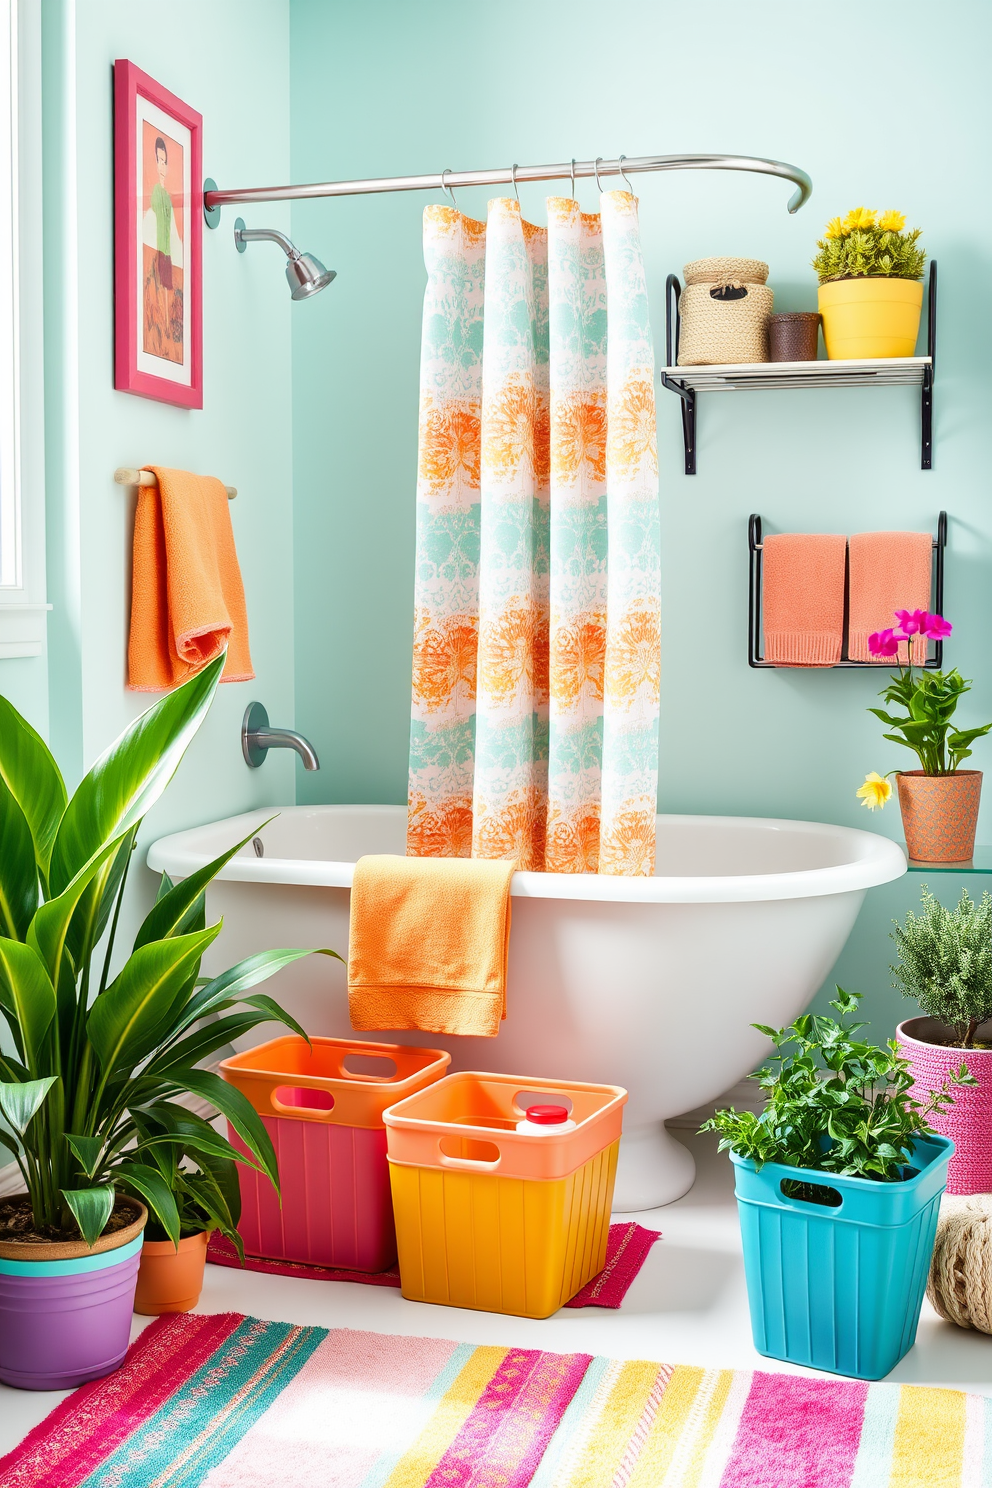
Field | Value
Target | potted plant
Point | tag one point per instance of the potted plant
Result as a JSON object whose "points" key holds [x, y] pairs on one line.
{"points": [[204, 1184], [838, 1185], [939, 802], [98, 1061], [871, 288], [945, 964]]}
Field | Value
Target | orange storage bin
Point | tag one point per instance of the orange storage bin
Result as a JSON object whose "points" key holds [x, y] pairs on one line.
{"points": [[322, 1104], [495, 1219]]}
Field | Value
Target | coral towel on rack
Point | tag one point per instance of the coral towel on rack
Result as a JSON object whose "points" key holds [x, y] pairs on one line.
{"points": [[803, 598], [889, 571], [427, 944], [188, 601], [537, 634]]}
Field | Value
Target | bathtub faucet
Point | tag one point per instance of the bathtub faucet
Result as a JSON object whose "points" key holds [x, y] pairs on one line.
{"points": [[257, 739]]}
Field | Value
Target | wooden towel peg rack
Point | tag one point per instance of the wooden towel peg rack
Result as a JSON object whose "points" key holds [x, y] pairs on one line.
{"points": [[125, 475]]}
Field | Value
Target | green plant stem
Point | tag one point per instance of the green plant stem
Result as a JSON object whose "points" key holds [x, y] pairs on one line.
{"points": [[117, 914]]}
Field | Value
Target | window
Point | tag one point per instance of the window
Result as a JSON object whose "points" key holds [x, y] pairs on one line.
{"points": [[10, 553]]}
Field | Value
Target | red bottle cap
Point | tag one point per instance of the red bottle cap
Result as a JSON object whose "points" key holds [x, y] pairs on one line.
{"points": [[547, 1115]]}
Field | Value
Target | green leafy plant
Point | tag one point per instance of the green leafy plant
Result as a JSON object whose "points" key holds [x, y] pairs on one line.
{"points": [[833, 1102], [869, 243], [201, 1176], [89, 1096], [945, 963]]}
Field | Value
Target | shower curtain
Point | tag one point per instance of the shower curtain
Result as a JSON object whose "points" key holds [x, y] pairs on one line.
{"points": [[537, 625]]}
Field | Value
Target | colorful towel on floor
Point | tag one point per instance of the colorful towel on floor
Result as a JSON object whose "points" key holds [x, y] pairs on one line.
{"points": [[626, 1251], [234, 1402]]}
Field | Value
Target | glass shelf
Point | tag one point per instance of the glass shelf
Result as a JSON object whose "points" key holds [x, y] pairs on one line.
{"points": [[980, 863]]}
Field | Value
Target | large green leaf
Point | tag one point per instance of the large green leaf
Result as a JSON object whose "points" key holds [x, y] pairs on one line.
{"points": [[230, 986], [89, 1151], [156, 1193], [174, 911], [166, 1121], [92, 1208], [239, 1111], [26, 991], [49, 930], [130, 777], [18, 868], [33, 779], [127, 1021], [20, 1102], [207, 1040]]}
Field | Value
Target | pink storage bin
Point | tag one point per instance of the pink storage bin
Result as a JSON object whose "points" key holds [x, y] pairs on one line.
{"points": [[322, 1107]]}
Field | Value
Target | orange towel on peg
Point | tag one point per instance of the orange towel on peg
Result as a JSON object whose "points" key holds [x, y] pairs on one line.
{"points": [[802, 598], [889, 571], [428, 943], [187, 598]]}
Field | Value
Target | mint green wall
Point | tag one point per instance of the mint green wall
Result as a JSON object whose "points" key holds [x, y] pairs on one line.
{"points": [[230, 60], [390, 88]]}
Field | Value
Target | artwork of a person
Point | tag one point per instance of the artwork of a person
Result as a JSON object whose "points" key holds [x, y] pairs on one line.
{"points": [[162, 207], [162, 331]]}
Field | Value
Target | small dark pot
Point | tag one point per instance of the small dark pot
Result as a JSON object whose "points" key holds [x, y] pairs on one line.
{"points": [[793, 337]]}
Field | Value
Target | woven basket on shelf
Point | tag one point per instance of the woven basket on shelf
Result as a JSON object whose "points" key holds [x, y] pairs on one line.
{"points": [[724, 311]]}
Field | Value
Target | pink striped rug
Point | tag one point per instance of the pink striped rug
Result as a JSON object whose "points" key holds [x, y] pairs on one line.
{"points": [[235, 1402], [626, 1251]]}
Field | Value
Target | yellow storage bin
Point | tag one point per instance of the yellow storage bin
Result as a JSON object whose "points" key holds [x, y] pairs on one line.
{"points": [[495, 1219]]}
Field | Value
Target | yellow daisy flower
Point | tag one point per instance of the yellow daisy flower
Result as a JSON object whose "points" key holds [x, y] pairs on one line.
{"points": [[875, 791], [859, 217], [834, 228], [892, 221]]}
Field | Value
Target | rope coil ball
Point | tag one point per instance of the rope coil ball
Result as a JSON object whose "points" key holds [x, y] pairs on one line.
{"points": [[960, 1282]]}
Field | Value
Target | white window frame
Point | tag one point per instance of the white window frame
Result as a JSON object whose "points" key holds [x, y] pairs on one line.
{"points": [[22, 529]]}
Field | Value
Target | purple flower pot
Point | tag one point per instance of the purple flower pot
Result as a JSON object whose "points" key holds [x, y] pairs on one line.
{"points": [[64, 1322]]}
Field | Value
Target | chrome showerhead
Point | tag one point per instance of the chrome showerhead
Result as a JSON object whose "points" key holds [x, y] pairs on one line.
{"points": [[305, 274]]}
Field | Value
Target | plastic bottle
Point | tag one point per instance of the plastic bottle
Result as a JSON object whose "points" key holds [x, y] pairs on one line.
{"points": [[546, 1121]]}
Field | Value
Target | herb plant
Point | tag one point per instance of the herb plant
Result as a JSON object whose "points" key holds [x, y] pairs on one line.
{"points": [[88, 1097], [833, 1102], [869, 243], [945, 963], [928, 699]]}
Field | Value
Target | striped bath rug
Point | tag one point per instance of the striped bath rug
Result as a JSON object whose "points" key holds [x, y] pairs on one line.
{"points": [[627, 1249], [229, 1401]]}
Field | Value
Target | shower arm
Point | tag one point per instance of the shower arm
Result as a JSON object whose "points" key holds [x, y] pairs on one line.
{"points": [[214, 199], [266, 235]]}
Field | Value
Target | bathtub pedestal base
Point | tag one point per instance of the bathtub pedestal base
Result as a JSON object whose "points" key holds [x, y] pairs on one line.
{"points": [[652, 1169]]}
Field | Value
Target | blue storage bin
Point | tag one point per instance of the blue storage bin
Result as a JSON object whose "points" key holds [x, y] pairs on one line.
{"points": [[839, 1288]]}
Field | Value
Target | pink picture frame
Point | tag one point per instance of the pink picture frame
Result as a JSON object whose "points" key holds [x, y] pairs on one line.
{"points": [[158, 240]]}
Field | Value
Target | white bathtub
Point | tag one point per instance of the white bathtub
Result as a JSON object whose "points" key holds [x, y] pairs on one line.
{"points": [[647, 983]]}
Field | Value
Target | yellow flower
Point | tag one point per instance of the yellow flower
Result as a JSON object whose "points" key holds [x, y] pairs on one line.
{"points": [[875, 791], [859, 217], [834, 228], [892, 221]]}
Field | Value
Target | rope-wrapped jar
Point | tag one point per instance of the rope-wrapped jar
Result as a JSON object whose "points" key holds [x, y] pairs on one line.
{"points": [[960, 1284], [724, 310]]}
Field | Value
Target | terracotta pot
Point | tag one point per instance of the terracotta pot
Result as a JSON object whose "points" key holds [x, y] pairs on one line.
{"points": [[939, 814], [968, 1122], [170, 1280]]}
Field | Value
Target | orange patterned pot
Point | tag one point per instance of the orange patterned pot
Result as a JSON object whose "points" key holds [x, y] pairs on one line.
{"points": [[939, 814]]}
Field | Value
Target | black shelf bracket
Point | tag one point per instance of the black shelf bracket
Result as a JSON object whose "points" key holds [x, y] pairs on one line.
{"points": [[754, 633], [688, 394]]}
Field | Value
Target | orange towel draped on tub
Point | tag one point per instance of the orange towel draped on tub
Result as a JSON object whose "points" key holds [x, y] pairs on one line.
{"points": [[428, 942], [188, 601], [803, 598], [889, 571]]}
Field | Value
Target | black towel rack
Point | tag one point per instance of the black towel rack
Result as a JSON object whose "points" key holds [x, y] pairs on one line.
{"points": [[754, 634]]}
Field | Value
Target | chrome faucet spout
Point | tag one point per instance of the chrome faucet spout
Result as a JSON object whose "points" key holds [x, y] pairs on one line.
{"points": [[257, 738]]}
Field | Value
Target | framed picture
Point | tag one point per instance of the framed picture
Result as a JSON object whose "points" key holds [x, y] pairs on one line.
{"points": [[158, 336]]}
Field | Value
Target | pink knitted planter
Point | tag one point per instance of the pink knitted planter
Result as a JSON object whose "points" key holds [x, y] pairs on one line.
{"points": [[968, 1122]]}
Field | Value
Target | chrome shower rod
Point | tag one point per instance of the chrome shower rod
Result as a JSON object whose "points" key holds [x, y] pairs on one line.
{"points": [[510, 175]]}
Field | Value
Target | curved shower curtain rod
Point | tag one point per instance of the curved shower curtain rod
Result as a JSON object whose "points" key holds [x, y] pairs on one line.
{"points": [[213, 199]]}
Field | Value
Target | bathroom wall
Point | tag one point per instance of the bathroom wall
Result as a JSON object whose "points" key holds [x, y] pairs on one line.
{"points": [[230, 60], [386, 88]]}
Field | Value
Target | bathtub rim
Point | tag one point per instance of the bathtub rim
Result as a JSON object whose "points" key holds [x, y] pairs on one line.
{"points": [[875, 860]]}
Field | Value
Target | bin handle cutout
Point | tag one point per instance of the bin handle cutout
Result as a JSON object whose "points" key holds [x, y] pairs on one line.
{"points": [[297, 1100], [480, 1164], [361, 1066], [824, 1197]]}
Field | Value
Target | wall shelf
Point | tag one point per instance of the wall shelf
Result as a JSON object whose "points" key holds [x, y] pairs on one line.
{"points": [[753, 377], [980, 863]]}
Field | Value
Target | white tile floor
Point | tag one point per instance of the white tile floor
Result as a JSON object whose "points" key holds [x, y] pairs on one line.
{"points": [[687, 1306]]}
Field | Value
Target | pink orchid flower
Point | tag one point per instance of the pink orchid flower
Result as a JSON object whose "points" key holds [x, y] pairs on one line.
{"points": [[884, 642], [936, 627], [912, 621]]}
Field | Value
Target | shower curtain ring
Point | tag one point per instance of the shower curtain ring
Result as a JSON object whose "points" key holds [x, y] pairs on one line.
{"points": [[599, 184], [447, 188], [513, 178], [573, 178], [624, 173]]}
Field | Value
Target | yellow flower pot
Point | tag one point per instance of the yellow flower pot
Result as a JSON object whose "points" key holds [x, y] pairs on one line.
{"points": [[872, 316]]}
